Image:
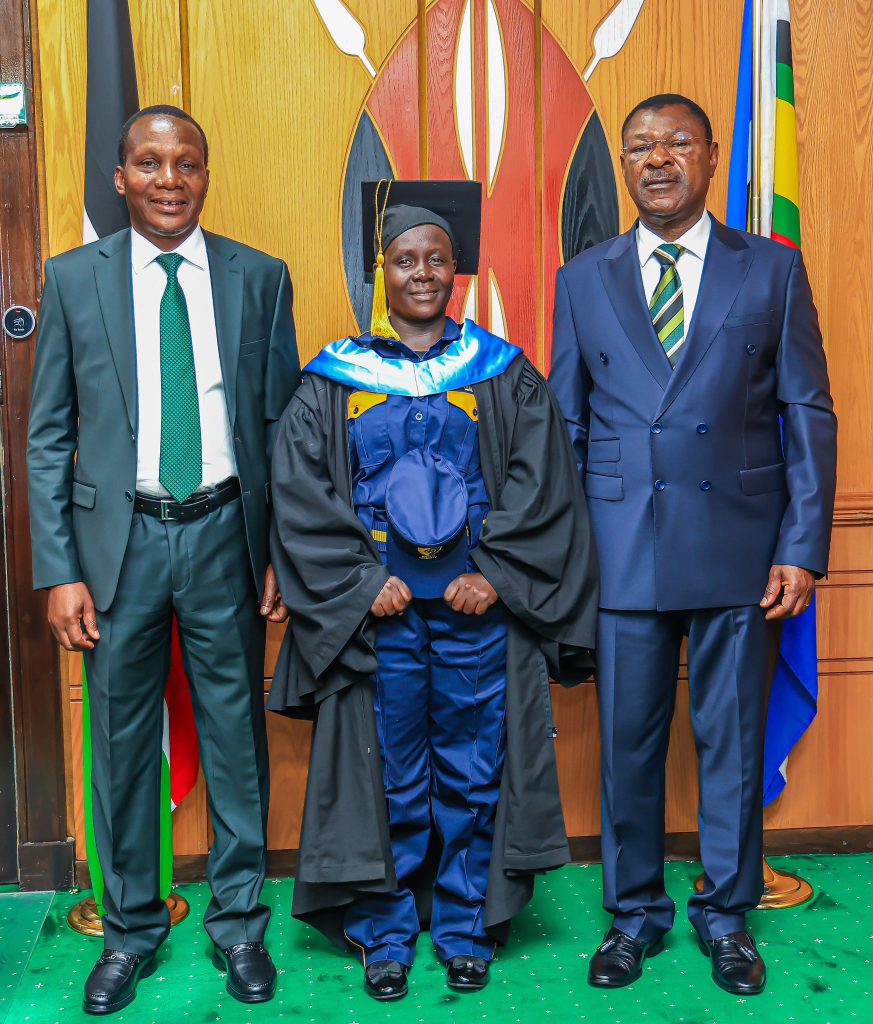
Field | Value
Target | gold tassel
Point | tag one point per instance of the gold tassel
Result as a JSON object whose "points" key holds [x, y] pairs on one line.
{"points": [[380, 324]]}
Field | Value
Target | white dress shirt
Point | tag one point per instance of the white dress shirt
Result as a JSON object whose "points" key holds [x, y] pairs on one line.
{"points": [[149, 282], [689, 265]]}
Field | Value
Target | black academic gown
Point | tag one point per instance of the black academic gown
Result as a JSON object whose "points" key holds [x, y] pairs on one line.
{"points": [[537, 552]]}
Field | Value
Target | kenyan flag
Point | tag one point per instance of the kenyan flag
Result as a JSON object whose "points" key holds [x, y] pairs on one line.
{"points": [[111, 98], [179, 749]]}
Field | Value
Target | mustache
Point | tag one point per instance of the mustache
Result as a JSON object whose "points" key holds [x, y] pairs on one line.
{"points": [[650, 178]]}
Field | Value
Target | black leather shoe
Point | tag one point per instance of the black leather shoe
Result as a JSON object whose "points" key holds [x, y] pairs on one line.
{"points": [[251, 976], [112, 984], [737, 966], [385, 980], [467, 973], [619, 960]]}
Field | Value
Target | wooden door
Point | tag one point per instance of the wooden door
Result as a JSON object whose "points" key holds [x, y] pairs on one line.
{"points": [[35, 848]]}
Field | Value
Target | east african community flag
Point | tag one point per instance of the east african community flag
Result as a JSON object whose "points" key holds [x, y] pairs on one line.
{"points": [[794, 694]]}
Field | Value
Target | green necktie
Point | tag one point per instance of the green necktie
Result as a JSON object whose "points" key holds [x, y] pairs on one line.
{"points": [[666, 307], [181, 470]]}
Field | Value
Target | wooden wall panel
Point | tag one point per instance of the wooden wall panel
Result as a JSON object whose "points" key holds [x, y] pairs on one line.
{"points": [[280, 103], [834, 97], [676, 46], [63, 51]]}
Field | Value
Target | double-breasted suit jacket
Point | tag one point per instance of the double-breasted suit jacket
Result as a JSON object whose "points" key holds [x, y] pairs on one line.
{"points": [[698, 479]]}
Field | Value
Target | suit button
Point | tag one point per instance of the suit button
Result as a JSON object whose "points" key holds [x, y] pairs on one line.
{"points": [[702, 428], [751, 349], [660, 485], [128, 495], [705, 485], [604, 358], [418, 417], [656, 428]]}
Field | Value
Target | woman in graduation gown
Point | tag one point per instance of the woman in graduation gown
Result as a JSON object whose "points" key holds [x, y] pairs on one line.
{"points": [[431, 540]]}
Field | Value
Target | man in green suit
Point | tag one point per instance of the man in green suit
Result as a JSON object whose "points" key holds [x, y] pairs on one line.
{"points": [[165, 357]]}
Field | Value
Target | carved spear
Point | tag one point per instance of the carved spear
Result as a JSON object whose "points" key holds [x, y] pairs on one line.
{"points": [[612, 33], [345, 30]]}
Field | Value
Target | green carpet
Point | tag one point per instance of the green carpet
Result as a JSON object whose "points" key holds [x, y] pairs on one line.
{"points": [[22, 916], [818, 956]]}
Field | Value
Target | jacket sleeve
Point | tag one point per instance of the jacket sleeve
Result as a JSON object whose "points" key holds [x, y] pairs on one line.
{"points": [[51, 445], [283, 361], [809, 431], [328, 569], [569, 376], [536, 548]]}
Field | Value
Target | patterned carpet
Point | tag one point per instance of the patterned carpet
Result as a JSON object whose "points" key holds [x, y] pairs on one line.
{"points": [[818, 956]]}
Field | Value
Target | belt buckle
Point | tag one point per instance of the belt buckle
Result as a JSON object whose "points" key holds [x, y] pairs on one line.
{"points": [[165, 510]]}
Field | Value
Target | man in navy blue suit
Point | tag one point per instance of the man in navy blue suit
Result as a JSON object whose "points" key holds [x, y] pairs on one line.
{"points": [[678, 348]]}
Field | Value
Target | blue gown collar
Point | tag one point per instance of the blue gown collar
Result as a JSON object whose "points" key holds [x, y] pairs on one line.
{"points": [[475, 356]]}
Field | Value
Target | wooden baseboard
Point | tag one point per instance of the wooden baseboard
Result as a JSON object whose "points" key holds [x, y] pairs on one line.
{"points": [[586, 849], [46, 866], [777, 841], [280, 864]]}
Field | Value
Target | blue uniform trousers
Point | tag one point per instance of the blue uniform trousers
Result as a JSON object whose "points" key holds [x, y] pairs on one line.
{"points": [[440, 705], [730, 653]]}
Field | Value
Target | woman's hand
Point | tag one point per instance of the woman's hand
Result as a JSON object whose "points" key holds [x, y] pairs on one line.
{"points": [[273, 608], [470, 593], [394, 598]]}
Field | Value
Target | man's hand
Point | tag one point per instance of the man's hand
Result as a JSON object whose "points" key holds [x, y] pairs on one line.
{"points": [[394, 598], [796, 587], [272, 606], [69, 608], [470, 593]]}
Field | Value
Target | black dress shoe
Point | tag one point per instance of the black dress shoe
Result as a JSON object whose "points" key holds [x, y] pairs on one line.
{"points": [[112, 984], [251, 976], [385, 980], [619, 960], [737, 966], [467, 973]]}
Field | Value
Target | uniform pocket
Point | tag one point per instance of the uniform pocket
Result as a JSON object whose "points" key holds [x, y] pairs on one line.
{"points": [[370, 434]]}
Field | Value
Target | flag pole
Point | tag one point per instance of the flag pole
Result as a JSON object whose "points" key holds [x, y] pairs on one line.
{"points": [[781, 889], [757, 74]]}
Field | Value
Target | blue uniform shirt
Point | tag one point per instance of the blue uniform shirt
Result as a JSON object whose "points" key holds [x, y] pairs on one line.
{"points": [[382, 428]]}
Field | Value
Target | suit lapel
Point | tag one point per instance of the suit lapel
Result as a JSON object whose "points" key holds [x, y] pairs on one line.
{"points": [[227, 298], [727, 263], [114, 294], [620, 273]]}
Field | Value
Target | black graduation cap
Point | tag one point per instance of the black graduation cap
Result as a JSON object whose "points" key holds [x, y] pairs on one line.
{"points": [[457, 203]]}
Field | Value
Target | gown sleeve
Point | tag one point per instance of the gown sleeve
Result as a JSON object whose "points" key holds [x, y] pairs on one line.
{"points": [[536, 548], [328, 569]]}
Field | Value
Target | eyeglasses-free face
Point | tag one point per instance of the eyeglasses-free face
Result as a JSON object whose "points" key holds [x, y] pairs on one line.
{"points": [[667, 163]]}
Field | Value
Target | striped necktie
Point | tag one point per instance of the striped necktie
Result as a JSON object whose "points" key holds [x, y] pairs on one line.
{"points": [[181, 467], [666, 308]]}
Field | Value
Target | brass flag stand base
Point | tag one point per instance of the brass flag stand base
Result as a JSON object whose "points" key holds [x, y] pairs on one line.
{"points": [[83, 918], [781, 889]]}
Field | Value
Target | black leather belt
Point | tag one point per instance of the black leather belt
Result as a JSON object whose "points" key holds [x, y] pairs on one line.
{"points": [[200, 504]]}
